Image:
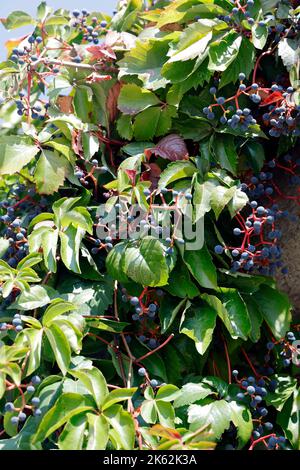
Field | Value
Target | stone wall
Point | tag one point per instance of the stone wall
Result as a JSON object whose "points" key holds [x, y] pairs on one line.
{"points": [[290, 244]]}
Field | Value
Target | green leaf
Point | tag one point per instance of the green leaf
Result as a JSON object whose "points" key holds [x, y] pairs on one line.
{"points": [[133, 99], [79, 217], [4, 244], [288, 50], [255, 316], [224, 51], [67, 406], [180, 283], [136, 148], [90, 144], [13, 370], [177, 71], [108, 325], [289, 419], [242, 419], [244, 62], [168, 310], [90, 298], [7, 288], [165, 412], [268, 5], [124, 126], [72, 436], [2, 384], [62, 206], [167, 392], [146, 124], [95, 382], [60, 346], [198, 323], [193, 44], [225, 152], [201, 267], [145, 60], [181, 11], [72, 328], [15, 153], [98, 433], [275, 308], [17, 19], [50, 172], [192, 392], [123, 432], [216, 414], [149, 411], [146, 263], [286, 386], [235, 316], [35, 338], [176, 171], [117, 395], [46, 238], [238, 201], [154, 121], [115, 262], [43, 11], [259, 35], [57, 307], [202, 198], [30, 260], [70, 244], [83, 102], [232, 312], [220, 197], [37, 297]]}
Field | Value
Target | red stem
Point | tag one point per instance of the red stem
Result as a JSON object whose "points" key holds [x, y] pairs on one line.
{"points": [[155, 350], [249, 362]]}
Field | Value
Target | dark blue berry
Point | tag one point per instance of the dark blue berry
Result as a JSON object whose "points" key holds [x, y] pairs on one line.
{"points": [[142, 371], [219, 249]]}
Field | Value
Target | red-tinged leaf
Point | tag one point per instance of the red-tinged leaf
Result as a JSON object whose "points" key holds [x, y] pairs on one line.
{"points": [[132, 175], [272, 98], [112, 101], [13, 42], [167, 433], [152, 173], [172, 147], [76, 142], [65, 104], [96, 78], [101, 52]]}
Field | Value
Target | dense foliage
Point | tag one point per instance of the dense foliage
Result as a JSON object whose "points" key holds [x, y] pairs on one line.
{"points": [[144, 159]]}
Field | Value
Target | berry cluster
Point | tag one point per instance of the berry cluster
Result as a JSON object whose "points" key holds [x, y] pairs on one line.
{"points": [[29, 53], [285, 348], [16, 324], [145, 309], [19, 413], [16, 235], [240, 14], [255, 390], [282, 118], [20, 202], [100, 245], [259, 248], [38, 110], [152, 382], [146, 222], [90, 31], [86, 177]]}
